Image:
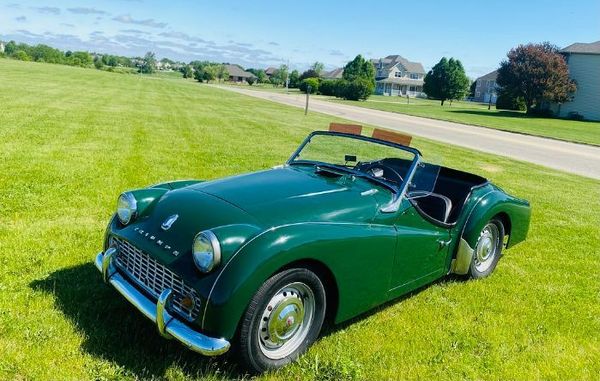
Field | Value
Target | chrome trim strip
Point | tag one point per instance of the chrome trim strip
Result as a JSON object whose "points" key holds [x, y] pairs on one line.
{"points": [[196, 341]]}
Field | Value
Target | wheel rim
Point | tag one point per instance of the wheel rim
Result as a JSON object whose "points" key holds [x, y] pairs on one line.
{"points": [[487, 247], [286, 320]]}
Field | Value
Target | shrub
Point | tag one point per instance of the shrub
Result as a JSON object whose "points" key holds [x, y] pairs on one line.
{"points": [[312, 82], [330, 87], [251, 80], [508, 102], [359, 89], [21, 55]]}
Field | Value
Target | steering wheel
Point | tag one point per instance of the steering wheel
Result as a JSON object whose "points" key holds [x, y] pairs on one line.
{"points": [[378, 169]]}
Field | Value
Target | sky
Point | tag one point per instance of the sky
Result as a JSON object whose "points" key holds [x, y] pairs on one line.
{"points": [[298, 33]]}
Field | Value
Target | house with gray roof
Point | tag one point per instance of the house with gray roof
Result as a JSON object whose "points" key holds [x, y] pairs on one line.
{"points": [[334, 74], [395, 75], [270, 71], [237, 73], [486, 88], [583, 60]]}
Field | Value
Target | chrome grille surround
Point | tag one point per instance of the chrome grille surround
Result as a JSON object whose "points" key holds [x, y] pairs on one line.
{"points": [[154, 278]]}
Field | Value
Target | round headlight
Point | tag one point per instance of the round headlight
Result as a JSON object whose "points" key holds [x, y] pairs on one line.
{"points": [[206, 251], [126, 208]]}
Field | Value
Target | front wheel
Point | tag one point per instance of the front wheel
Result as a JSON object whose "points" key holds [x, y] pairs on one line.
{"points": [[282, 320], [487, 249]]}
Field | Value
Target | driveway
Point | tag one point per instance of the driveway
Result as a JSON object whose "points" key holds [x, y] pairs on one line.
{"points": [[575, 158]]}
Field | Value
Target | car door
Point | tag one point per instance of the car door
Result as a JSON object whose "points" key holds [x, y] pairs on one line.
{"points": [[421, 250]]}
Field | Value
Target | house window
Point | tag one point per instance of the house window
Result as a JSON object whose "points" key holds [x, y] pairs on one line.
{"points": [[398, 74], [414, 76], [413, 88], [477, 94]]}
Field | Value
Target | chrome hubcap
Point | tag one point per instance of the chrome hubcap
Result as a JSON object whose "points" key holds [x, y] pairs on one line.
{"points": [[286, 320], [487, 247]]}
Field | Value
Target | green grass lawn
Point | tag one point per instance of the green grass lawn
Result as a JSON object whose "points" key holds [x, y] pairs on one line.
{"points": [[72, 139], [479, 115]]}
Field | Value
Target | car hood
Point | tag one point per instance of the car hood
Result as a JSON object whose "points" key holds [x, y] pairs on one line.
{"points": [[295, 194]]}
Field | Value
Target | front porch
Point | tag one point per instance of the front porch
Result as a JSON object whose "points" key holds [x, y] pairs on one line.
{"points": [[396, 89]]}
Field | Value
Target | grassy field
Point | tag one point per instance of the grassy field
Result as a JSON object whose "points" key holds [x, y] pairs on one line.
{"points": [[72, 139], [479, 115]]}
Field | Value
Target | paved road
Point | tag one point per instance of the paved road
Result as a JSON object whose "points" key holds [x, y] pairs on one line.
{"points": [[570, 157]]}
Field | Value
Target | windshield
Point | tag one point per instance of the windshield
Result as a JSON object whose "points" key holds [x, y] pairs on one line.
{"points": [[388, 163]]}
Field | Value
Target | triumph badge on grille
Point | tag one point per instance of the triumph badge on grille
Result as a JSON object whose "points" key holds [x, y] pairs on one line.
{"points": [[169, 222]]}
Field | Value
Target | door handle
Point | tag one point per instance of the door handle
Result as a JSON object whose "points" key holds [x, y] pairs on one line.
{"points": [[442, 243]]}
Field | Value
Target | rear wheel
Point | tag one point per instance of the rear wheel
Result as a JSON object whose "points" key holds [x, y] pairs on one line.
{"points": [[282, 320], [488, 249]]}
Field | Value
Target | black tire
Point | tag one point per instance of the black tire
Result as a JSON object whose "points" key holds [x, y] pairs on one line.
{"points": [[481, 269], [252, 347]]}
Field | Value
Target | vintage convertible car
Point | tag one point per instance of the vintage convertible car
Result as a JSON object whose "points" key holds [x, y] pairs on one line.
{"points": [[263, 259]]}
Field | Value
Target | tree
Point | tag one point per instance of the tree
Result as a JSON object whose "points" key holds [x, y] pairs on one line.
{"points": [[310, 73], [359, 79], [318, 68], [221, 72], [472, 89], [10, 48], [538, 73], [458, 82], [359, 68], [251, 80], [294, 79], [148, 65], [187, 71], [98, 62], [261, 76], [282, 74], [83, 59], [446, 81]]}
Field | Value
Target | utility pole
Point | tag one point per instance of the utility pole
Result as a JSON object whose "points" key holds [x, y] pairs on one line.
{"points": [[287, 78]]}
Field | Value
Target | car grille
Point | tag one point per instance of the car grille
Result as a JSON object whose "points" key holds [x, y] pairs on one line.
{"points": [[154, 278]]}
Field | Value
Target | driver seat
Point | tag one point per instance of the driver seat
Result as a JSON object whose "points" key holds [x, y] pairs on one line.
{"points": [[435, 205]]}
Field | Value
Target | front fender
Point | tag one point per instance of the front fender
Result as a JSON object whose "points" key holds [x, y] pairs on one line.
{"points": [[360, 257]]}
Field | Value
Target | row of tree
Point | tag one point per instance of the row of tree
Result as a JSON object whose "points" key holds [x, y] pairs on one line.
{"points": [[45, 53], [205, 71]]}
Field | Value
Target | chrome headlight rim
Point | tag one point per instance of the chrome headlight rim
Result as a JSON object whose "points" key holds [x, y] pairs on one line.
{"points": [[212, 239], [131, 202]]}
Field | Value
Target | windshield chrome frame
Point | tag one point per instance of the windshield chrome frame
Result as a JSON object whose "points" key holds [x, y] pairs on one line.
{"points": [[399, 192]]}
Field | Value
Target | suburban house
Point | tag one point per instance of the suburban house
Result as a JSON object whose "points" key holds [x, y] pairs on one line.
{"points": [[334, 74], [583, 60], [486, 89], [395, 75], [270, 71], [237, 73]]}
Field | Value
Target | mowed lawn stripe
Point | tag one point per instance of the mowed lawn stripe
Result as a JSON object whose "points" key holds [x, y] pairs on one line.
{"points": [[84, 136]]}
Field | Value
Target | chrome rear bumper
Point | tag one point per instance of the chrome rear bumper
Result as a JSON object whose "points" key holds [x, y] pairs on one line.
{"points": [[168, 326]]}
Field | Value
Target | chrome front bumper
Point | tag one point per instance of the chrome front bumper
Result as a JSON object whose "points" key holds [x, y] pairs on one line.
{"points": [[168, 326]]}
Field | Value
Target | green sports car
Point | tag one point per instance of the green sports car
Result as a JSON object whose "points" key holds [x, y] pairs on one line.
{"points": [[261, 260]]}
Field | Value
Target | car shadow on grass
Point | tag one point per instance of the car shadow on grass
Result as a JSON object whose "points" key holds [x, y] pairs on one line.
{"points": [[330, 328], [116, 331]]}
